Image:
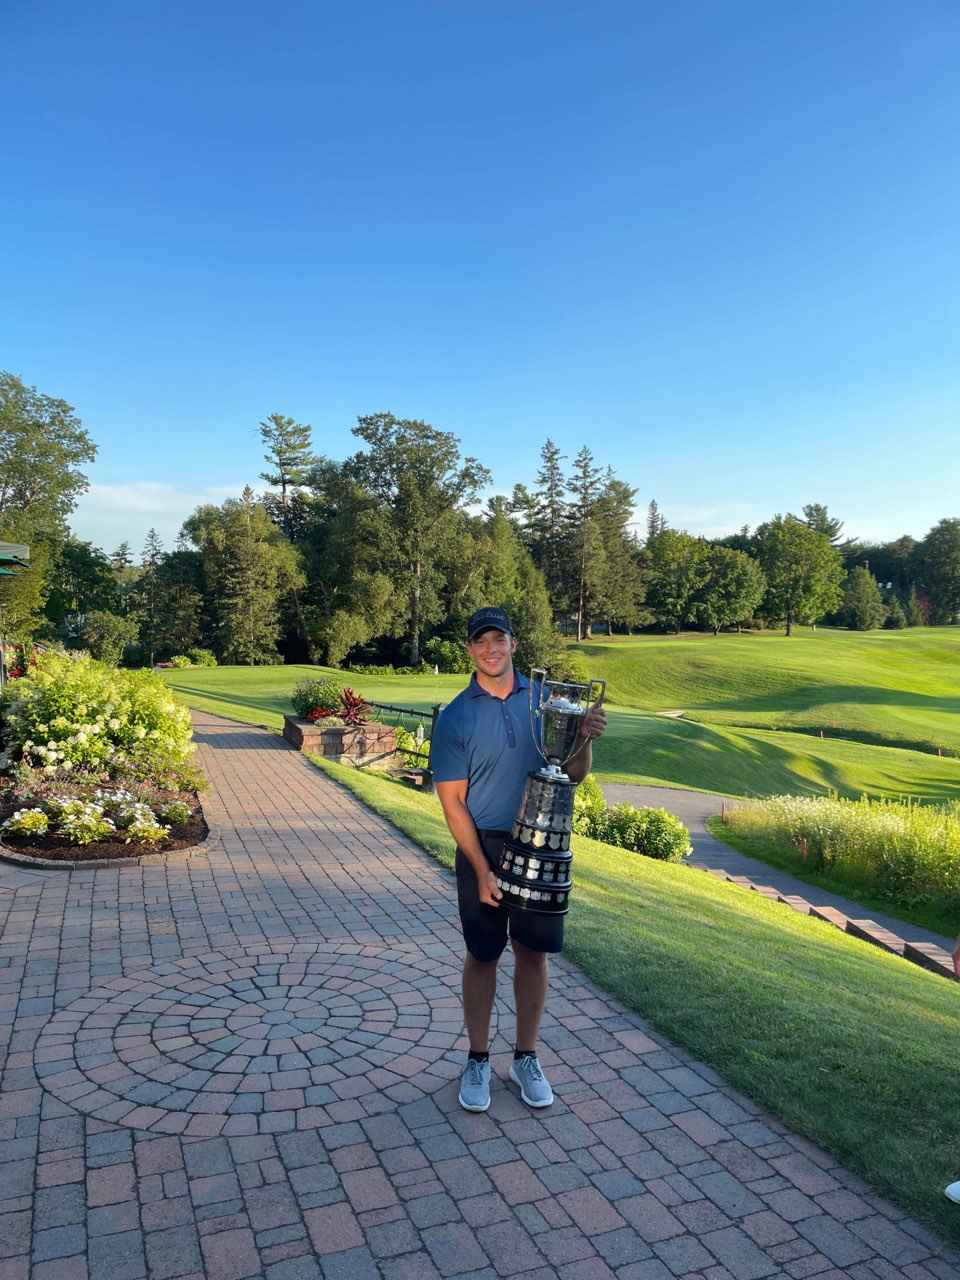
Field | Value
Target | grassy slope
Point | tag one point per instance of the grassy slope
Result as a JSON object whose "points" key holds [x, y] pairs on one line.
{"points": [[639, 747], [896, 687], [851, 1047]]}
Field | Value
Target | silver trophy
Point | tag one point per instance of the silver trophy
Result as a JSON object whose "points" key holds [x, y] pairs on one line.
{"points": [[535, 865], [557, 708]]}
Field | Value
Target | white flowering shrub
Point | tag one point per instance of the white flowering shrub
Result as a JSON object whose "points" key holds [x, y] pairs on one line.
{"points": [[905, 851], [72, 713], [27, 822]]}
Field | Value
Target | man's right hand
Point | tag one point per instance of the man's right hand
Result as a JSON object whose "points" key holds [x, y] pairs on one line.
{"points": [[490, 895]]}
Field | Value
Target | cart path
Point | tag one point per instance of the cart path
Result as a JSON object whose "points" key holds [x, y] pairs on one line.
{"points": [[242, 1065], [694, 807]]}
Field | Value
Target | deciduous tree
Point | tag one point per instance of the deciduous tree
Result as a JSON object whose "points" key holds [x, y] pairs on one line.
{"points": [[677, 567], [940, 567], [732, 589], [804, 572], [420, 484]]}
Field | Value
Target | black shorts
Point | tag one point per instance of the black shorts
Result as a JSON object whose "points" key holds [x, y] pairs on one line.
{"points": [[485, 929]]}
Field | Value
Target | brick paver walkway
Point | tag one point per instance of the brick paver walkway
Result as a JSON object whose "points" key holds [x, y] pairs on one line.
{"points": [[242, 1064]]}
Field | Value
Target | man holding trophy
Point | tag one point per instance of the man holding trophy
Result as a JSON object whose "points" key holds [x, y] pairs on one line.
{"points": [[507, 754]]}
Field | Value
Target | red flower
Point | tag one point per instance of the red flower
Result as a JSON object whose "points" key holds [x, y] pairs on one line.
{"points": [[318, 713]]}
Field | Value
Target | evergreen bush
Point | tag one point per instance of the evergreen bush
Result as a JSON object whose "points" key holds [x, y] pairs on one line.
{"points": [[653, 832]]}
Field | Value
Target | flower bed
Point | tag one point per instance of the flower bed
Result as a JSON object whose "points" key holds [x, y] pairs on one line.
{"points": [[97, 763], [70, 828]]}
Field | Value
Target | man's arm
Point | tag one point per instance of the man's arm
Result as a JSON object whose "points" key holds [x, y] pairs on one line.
{"points": [[580, 764], [594, 724], [956, 958], [453, 798]]}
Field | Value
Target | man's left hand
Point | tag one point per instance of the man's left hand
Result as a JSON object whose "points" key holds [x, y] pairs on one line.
{"points": [[594, 723]]}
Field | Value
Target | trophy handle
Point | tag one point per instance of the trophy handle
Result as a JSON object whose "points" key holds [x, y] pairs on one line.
{"points": [[535, 710], [595, 703], [600, 696]]}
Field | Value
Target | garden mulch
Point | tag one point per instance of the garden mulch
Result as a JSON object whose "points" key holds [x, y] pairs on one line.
{"points": [[243, 1066]]}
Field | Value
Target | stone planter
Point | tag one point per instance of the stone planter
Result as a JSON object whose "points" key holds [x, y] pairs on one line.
{"points": [[370, 744]]}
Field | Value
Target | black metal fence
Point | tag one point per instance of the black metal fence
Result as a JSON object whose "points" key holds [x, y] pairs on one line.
{"points": [[421, 724]]}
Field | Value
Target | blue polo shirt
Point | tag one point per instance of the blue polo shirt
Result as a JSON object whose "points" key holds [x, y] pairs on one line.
{"points": [[487, 740]]}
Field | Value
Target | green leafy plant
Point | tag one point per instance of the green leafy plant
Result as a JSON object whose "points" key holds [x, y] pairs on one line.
{"points": [[145, 829], [202, 657], [588, 803], [448, 656], [664, 836], [653, 832], [73, 714], [413, 753], [176, 813], [312, 694], [27, 822], [180, 661], [82, 822]]}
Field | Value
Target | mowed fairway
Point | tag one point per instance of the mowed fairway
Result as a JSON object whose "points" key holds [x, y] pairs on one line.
{"points": [[752, 705], [897, 688]]}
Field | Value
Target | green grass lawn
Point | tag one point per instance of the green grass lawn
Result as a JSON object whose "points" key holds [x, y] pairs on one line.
{"points": [[718, 756], [888, 687], [849, 1046]]}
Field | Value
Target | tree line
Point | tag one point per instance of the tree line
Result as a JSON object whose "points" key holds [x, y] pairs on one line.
{"points": [[380, 557]]}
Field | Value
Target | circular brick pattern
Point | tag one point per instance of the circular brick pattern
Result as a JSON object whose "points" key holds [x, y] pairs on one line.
{"points": [[241, 1042]]}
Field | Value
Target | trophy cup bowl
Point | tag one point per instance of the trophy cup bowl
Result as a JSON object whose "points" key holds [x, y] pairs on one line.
{"points": [[535, 866]]}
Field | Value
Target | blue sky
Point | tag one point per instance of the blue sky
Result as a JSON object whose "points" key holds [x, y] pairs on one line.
{"points": [[715, 241]]}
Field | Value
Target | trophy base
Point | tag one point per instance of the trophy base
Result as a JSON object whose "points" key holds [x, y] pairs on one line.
{"points": [[554, 772]]}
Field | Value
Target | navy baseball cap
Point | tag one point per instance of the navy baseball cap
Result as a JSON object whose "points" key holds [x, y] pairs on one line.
{"points": [[488, 620]]}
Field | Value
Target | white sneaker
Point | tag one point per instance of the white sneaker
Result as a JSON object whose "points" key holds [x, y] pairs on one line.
{"points": [[953, 1192]]}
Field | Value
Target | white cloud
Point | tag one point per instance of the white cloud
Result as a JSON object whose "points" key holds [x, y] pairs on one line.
{"points": [[109, 514]]}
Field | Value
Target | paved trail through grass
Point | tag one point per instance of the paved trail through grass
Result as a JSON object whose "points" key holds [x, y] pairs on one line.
{"points": [[695, 807]]}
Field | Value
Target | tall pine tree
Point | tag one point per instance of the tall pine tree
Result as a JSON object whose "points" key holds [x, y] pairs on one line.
{"points": [[290, 457], [584, 535]]}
